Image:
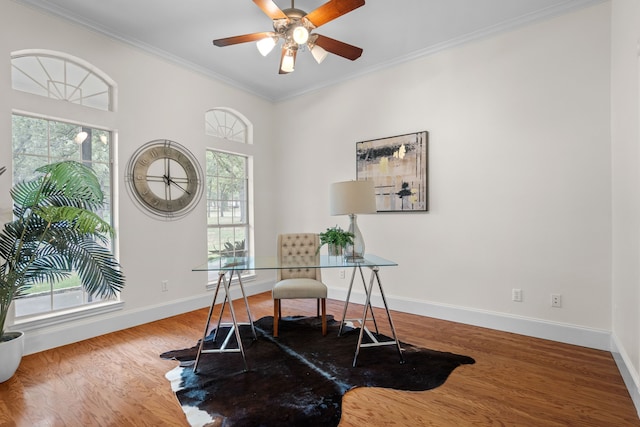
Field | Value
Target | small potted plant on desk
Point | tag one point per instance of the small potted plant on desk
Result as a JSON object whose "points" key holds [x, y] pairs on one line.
{"points": [[55, 232], [336, 239]]}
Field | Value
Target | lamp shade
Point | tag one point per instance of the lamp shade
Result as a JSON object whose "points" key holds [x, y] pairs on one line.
{"points": [[266, 45], [319, 54], [288, 62], [300, 34], [352, 197]]}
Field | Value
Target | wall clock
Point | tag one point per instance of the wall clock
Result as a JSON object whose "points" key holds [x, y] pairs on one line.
{"points": [[165, 179]]}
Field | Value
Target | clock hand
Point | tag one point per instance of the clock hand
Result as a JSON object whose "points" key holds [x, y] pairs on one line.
{"points": [[178, 185]]}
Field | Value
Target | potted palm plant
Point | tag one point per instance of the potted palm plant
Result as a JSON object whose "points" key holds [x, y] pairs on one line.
{"points": [[55, 232], [336, 239]]}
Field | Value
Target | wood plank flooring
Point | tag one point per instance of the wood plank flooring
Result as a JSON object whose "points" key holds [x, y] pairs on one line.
{"points": [[118, 379]]}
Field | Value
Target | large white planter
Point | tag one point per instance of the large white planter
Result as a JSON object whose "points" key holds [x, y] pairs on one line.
{"points": [[11, 354]]}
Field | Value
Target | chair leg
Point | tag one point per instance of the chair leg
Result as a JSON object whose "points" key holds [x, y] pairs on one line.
{"points": [[324, 317], [276, 316]]}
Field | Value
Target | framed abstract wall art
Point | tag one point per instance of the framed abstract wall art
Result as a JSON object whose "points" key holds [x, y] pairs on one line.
{"points": [[398, 167]]}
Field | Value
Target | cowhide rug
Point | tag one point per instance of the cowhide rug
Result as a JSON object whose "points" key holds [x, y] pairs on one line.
{"points": [[297, 379]]}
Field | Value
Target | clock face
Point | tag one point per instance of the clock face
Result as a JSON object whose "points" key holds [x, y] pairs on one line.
{"points": [[165, 178]]}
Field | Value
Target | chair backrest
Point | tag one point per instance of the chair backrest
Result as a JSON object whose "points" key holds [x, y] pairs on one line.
{"points": [[298, 248]]}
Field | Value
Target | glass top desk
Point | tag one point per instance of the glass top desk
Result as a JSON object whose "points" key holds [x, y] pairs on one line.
{"points": [[236, 265]]}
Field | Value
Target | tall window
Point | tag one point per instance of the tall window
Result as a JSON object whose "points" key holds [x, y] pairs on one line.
{"points": [[228, 183], [227, 219], [37, 141]]}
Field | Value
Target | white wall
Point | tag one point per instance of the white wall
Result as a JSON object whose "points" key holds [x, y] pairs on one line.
{"points": [[625, 116], [520, 175], [156, 100]]}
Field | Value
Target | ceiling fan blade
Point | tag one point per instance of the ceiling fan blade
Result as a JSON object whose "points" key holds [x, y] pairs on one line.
{"points": [[331, 10], [254, 37], [338, 48], [282, 60], [270, 9]]}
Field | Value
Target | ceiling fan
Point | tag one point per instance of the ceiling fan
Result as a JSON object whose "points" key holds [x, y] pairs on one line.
{"points": [[295, 27]]}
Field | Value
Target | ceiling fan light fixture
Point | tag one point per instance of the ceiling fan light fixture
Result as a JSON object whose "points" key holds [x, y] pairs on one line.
{"points": [[266, 45], [288, 62], [294, 27], [319, 54], [300, 34]]}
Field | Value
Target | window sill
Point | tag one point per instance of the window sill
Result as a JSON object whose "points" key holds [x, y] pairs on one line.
{"points": [[63, 316]]}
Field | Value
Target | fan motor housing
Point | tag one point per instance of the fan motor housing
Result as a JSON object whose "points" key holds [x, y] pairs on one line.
{"points": [[294, 13]]}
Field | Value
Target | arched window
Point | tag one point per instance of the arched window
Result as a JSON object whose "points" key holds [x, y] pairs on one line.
{"points": [[225, 124], [60, 76], [228, 170], [37, 140]]}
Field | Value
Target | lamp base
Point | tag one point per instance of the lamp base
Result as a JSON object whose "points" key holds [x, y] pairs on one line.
{"points": [[355, 251]]}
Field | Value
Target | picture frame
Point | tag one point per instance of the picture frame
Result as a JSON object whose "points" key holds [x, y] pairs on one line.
{"points": [[398, 166]]}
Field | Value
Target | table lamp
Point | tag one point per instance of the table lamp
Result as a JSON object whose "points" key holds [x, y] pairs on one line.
{"points": [[351, 198]]}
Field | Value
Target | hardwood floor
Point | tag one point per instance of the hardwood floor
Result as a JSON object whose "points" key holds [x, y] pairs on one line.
{"points": [[118, 379]]}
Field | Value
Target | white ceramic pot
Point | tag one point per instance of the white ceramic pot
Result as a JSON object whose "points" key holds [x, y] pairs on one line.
{"points": [[11, 354]]}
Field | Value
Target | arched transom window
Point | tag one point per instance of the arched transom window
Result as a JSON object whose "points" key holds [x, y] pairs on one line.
{"points": [[226, 125], [59, 76]]}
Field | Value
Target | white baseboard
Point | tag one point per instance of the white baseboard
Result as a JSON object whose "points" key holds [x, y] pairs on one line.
{"points": [[63, 333], [44, 338], [555, 331], [629, 374]]}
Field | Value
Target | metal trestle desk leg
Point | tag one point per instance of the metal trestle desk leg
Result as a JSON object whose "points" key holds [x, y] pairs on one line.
{"points": [[367, 307], [234, 326], [346, 304]]}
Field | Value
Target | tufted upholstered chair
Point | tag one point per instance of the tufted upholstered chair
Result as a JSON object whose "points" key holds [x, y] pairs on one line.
{"points": [[297, 283]]}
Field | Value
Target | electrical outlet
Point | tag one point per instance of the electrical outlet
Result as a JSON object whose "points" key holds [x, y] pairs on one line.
{"points": [[342, 274], [516, 295], [556, 300], [164, 285]]}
